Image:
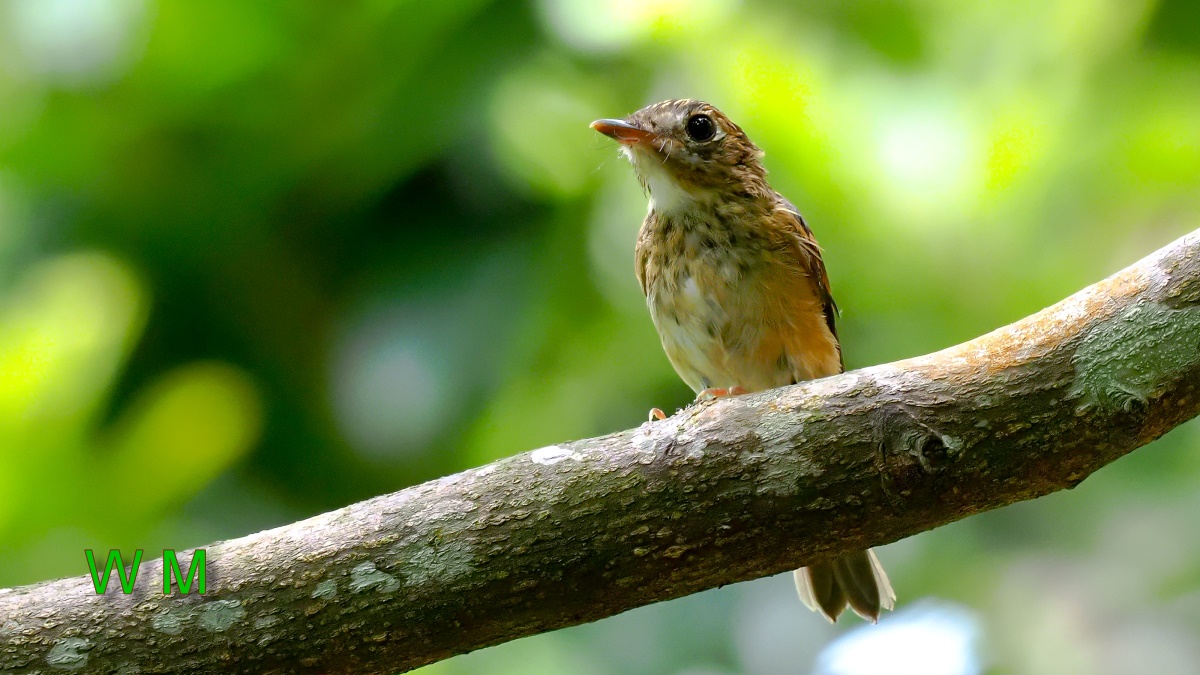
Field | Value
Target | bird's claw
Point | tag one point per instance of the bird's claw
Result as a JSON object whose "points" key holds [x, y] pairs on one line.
{"points": [[657, 414], [717, 392]]}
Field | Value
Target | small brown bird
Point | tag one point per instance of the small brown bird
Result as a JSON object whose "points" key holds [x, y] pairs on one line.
{"points": [[737, 289]]}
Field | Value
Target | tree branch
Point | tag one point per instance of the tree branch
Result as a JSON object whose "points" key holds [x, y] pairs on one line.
{"points": [[719, 493]]}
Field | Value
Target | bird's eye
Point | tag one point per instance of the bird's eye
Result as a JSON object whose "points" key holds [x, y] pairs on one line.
{"points": [[701, 128]]}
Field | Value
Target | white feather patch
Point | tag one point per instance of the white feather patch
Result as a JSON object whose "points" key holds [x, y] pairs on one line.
{"points": [[666, 194]]}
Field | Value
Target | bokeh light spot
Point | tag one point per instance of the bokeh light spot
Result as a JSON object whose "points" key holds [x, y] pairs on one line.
{"points": [[924, 639], [183, 431], [612, 25], [927, 157], [75, 42], [63, 334], [539, 118]]}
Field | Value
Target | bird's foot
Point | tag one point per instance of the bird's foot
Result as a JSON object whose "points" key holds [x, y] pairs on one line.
{"points": [[717, 392], [657, 414]]}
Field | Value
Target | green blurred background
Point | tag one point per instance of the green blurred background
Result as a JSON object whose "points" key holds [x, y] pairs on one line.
{"points": [[259, 260]]}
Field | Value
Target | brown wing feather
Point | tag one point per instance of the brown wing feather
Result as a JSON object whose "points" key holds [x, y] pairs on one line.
{"points": [[810, 258]]}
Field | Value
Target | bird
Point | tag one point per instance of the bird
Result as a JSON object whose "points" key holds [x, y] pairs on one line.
{"points": [[737, 289]]}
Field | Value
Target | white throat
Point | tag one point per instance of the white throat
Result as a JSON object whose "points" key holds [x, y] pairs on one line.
{"points": [[666, 194]]}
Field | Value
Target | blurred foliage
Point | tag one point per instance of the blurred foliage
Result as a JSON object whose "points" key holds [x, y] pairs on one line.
{"points": [[262, 259]]}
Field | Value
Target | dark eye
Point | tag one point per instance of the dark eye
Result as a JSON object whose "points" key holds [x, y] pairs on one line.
{"points": [[701, 128]]}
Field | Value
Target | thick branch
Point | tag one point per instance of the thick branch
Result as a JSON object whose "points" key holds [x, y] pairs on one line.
{"points": [[717, 494]]}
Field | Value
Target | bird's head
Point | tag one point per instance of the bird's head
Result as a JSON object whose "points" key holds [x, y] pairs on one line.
{"points": [[686, 152]]}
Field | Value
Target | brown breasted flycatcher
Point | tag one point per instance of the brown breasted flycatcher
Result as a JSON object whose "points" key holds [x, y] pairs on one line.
{"points": [[737, 288]]}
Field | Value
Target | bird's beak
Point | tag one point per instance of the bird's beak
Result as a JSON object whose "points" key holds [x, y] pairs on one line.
{"points": [[623, 132]]}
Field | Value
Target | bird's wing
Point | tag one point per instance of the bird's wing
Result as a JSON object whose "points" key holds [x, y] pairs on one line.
{"points": [[810, 258]]}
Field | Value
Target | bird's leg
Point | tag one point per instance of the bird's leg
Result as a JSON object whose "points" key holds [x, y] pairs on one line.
{"points": [[718, 392]]}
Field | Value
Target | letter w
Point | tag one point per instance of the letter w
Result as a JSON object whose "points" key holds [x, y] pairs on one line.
{"points": [[114, 560]]}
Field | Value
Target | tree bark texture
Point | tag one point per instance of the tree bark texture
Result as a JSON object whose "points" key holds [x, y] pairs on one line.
{"points": [[719, 493]]}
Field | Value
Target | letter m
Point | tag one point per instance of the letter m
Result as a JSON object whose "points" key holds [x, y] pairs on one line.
{"points": [[195, 572]]}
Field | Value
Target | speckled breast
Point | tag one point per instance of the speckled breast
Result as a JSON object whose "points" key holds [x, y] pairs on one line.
{"points": [[708, 293]]}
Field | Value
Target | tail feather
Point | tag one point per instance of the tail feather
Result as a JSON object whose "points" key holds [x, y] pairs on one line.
{"points": [[855, 579], [820, 591]]}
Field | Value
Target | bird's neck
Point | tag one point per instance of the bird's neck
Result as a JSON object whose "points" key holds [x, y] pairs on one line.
{"points": [[672, 197], [669, 197], [702, 223], [675, 205], [668, 194]]}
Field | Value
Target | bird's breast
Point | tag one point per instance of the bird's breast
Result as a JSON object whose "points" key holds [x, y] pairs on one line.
{"points": [[732, 310], [707, 302]]}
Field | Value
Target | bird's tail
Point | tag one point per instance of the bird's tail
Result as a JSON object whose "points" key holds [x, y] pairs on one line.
{"points": [[855, 579]]}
